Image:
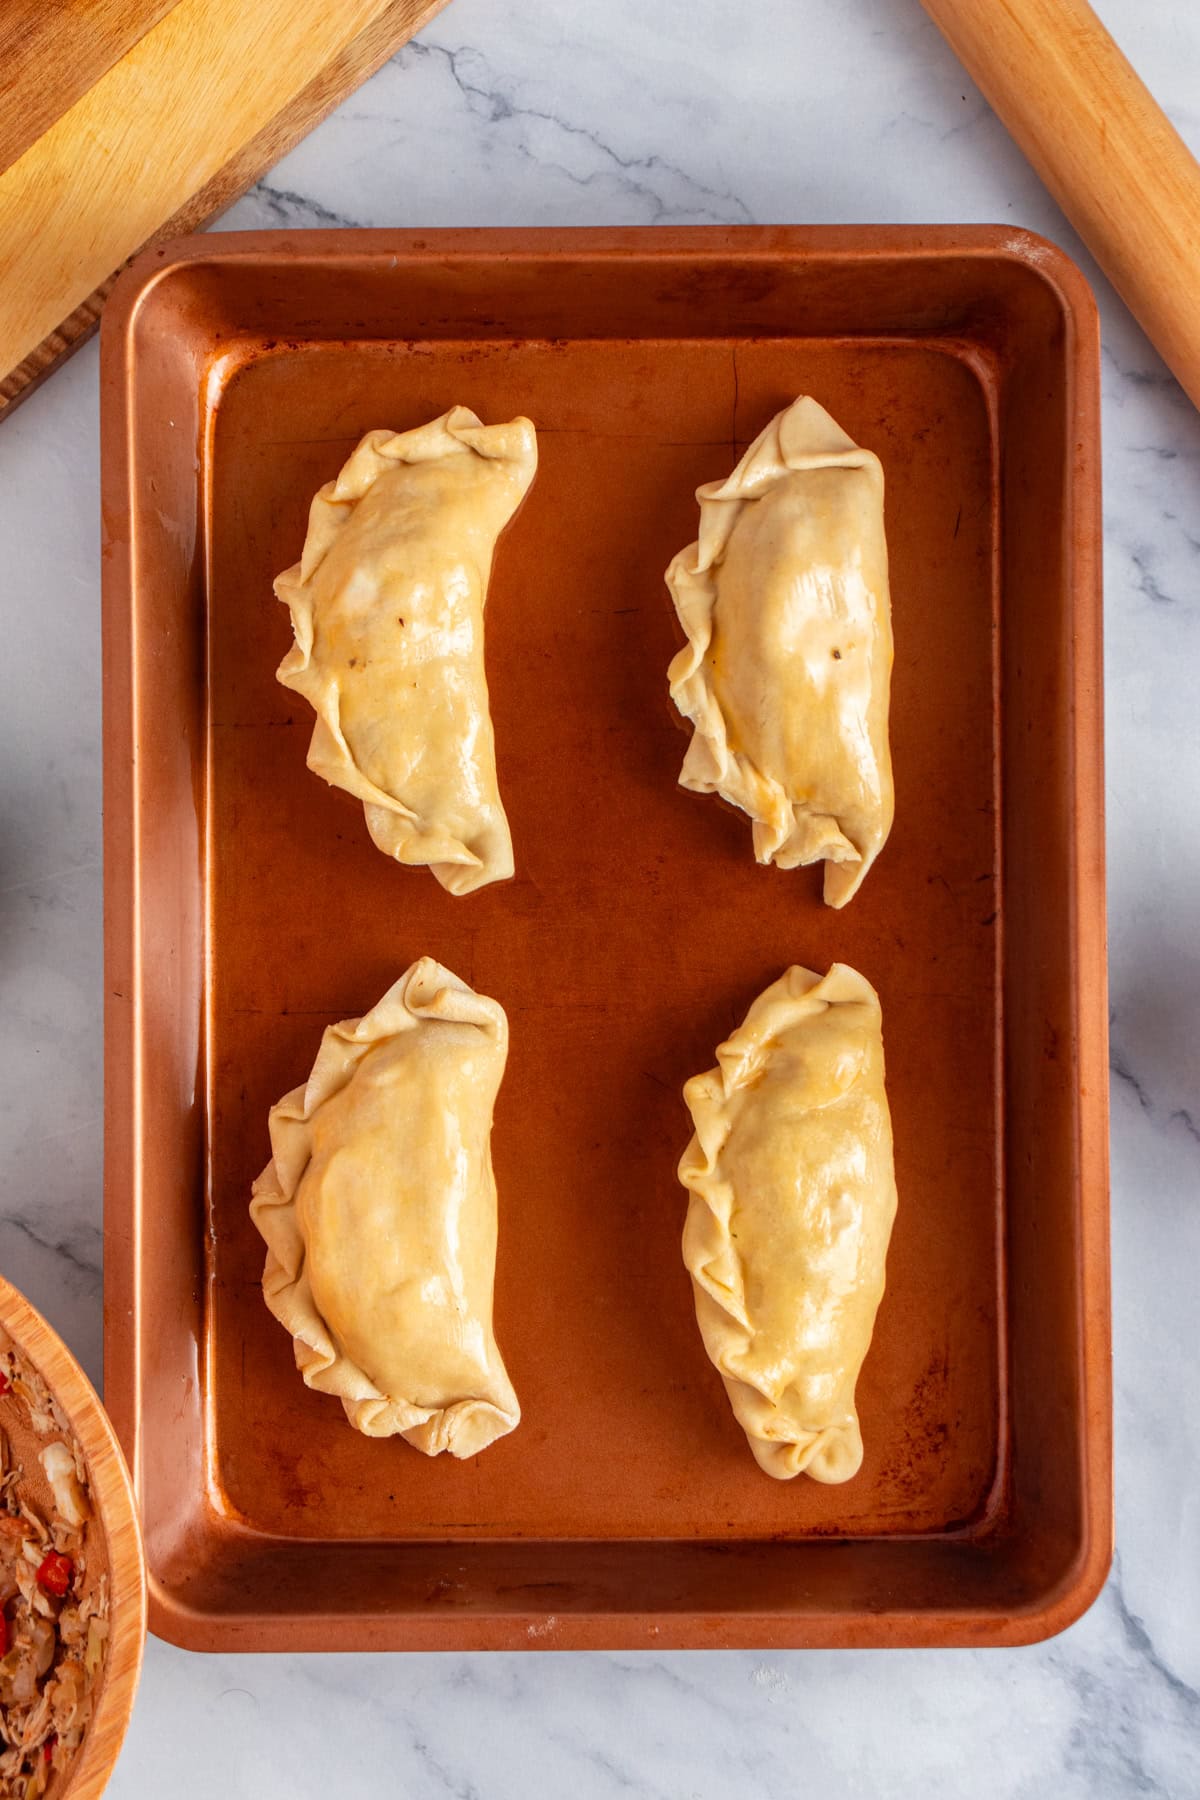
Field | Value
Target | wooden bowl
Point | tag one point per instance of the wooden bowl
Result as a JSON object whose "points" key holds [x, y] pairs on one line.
{"points": [[111, 1493]]}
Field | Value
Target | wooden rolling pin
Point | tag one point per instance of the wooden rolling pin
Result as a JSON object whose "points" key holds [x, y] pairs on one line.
{"points": [[1102, 145]]}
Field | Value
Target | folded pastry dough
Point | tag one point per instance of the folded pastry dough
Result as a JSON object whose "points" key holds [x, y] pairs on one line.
{"points": [[379, 1212], [387, 609], [787, 669], [792, 1200]]}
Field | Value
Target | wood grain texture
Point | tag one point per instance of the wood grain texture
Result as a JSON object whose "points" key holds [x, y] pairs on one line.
{"points": [[51, 51], [1104, 148], [112, 1497], [64, 237]]}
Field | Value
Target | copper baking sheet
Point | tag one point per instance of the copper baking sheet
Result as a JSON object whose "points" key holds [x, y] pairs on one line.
{"points": [[247, 909]]}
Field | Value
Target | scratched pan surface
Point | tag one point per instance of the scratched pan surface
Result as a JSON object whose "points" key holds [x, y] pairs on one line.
{"points": [[247, 910]]}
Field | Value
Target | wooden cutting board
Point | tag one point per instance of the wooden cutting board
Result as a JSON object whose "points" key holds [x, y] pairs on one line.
{"points": [[124, 122]]}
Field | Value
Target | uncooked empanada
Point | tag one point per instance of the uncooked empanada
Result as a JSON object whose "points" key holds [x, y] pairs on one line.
{"points": [[787, 669], [792, 1199], [379, 1212], [387, 608]]}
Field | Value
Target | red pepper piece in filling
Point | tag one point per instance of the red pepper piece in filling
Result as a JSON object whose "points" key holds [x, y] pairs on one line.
{"points": [[54, 1573], [5, 1383]]}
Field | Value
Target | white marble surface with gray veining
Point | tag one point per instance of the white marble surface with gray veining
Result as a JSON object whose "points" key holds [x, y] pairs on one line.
{"points": [[787, 110]]}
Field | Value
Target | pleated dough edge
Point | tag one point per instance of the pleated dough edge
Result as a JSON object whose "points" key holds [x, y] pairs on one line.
{"points": [[426, 990], [834, 1453], [459, 432], [802, 436]]}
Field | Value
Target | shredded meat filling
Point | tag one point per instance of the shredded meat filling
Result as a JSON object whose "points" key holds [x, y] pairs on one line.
{"points": [[53, 1621]]}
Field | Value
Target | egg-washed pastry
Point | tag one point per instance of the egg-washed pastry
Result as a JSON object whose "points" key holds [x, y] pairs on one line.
{"points": [[787, 669], [792, 1197], [379, 1212], [387, 609]]}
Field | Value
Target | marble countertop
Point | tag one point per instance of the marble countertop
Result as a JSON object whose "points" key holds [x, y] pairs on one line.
{"points": [[630, 114]]}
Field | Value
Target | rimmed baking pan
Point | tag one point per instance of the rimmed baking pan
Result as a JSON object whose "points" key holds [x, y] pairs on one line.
{"points": [[247, 909]]}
